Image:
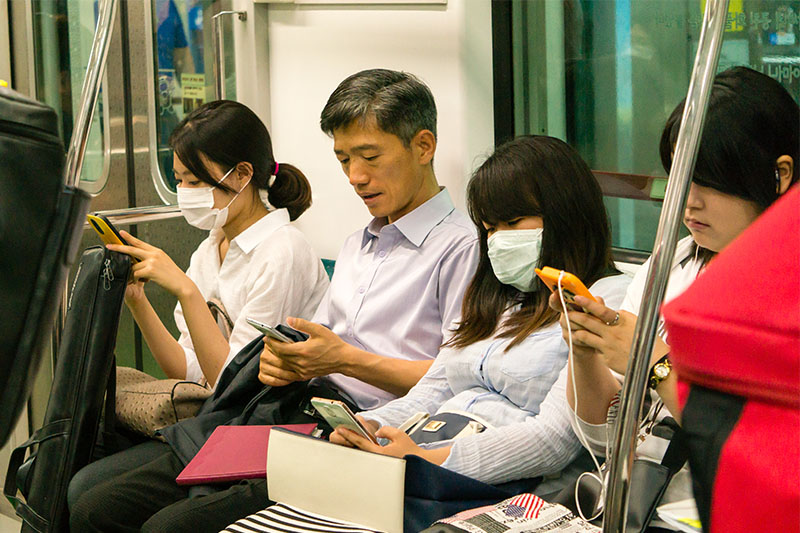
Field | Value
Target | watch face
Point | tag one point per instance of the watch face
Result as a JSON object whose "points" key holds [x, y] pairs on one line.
{"points": [[661, 371]]}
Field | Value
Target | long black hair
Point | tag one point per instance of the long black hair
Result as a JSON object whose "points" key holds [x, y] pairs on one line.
{"points": [[533, 176], [228, 133]]}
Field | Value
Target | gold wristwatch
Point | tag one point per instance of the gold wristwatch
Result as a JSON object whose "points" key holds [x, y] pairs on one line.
{"points": [[660, 371]]}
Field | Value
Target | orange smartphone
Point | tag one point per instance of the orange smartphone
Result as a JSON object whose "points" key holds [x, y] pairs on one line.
{"points": [[571, 285]]}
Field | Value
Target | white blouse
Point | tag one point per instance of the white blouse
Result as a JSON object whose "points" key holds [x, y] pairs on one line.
{"points": [[270, 272], [684, 270]]}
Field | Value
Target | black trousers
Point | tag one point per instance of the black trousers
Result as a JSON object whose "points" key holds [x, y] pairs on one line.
{"points": [[135, 490], [110, 496]]}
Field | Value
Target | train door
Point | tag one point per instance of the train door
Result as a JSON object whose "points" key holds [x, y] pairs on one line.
{"points": [[159, 68]]}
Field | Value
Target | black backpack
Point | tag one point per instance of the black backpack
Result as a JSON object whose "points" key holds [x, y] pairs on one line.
{"points": [[41, 222], [83, 379]]}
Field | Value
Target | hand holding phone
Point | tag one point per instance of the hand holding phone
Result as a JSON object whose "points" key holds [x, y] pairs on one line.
{"points": [[570, 284], [336, 413], [281, 332], [107, 232]]}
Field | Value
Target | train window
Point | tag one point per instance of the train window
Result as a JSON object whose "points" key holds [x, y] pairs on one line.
{"points": [[604, 76], [184, 68], [63, 33]]}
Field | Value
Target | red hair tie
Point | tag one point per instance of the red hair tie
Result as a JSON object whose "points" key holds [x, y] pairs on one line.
{"points": [[277, 166]]}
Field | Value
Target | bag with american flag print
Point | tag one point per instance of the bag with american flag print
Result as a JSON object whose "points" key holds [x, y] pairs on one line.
{"points": [[522, 513]]}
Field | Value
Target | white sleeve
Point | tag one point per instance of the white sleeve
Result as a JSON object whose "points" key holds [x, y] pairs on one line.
{"points": [[276, 289], [430, 392], [542, 444], [633, 297], [455, 275], [193, 370]]}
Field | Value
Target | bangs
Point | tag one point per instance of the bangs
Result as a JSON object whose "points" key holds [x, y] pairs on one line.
{"points": [[185, 143], [495, 196], [718, 164]]}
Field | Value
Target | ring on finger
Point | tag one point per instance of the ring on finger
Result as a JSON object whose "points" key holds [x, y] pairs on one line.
{"points": [[613, 322]]}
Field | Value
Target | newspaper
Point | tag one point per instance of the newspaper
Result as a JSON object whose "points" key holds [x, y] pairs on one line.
{"points": [[525, 513]]}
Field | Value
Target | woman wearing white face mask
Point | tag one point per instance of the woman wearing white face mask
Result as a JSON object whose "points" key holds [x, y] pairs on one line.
{"points": [[535, 203], [253, 261]]}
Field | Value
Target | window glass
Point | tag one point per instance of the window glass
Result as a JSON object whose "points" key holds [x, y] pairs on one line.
{"points": [[604, 76], [184, 61], [63, 34]]}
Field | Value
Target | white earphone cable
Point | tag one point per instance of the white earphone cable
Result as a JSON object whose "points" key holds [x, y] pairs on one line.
{"points": [[581, 435]]}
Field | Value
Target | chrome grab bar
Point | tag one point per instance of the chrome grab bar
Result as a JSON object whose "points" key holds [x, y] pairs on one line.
{"points": [[135, 215], [705, 66], [89, 93], [80, 133], [219, 51]]}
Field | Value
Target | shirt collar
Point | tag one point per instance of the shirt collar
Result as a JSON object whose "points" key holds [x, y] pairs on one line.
{"points": [[258, 232], [416, 225]]}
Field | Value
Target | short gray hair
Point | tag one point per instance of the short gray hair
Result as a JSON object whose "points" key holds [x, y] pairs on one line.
{"points": [[401, 104]]}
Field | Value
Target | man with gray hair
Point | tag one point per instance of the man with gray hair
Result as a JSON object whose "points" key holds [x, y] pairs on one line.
{"points": [[395, 294], [399, 282]]}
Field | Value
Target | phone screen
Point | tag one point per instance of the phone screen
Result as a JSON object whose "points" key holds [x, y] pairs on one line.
{"points": [[337, 415]]}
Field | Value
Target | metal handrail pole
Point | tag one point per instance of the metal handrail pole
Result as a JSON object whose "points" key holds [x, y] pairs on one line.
{"points": [[219, 51], [136, 215], [705, 65], [90, 92], [80, 133]]}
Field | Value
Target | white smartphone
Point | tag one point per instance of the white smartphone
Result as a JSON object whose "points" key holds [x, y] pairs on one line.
{"points": [[337, 414], [269, 331]]}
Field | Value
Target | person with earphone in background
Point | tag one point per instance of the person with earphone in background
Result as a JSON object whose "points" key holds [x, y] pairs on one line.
{"points": [[747, 159]]}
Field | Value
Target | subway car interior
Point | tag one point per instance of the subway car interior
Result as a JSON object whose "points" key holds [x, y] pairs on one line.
{"points": [[382, 300]]}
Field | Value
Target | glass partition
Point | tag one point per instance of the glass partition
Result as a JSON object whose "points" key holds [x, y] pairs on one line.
{"points": [[605, 75], [63, 35], [184, 67]]}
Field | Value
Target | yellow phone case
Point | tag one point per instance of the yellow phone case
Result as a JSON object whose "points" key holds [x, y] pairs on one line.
{"points": [[107, 232]]}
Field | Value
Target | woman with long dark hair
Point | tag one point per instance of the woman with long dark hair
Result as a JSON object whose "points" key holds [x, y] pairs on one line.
{"points": [[253, 261], [535, 203]]}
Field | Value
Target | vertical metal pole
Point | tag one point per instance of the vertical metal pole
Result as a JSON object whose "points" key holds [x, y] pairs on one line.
{"points": [[80, 133], [90, 92], [219, 51], [635, 385]]}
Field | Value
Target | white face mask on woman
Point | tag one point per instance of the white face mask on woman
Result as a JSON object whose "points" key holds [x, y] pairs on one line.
{"points": [[514, 254], [197, 205]]}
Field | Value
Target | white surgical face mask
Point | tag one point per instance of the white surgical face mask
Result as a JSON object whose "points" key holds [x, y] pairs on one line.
{"points": [[197, 205], [514, 254]]}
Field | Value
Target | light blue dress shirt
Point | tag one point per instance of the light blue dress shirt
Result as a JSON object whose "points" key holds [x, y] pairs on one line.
{"points": [[521, 393], [397, 288]]}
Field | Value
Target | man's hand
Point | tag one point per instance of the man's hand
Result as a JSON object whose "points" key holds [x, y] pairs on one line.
{"points": [[272, 370], [322, 354]]}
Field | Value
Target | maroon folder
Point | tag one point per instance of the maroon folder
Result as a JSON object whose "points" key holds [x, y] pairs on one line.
{"points": [[232, 453]]}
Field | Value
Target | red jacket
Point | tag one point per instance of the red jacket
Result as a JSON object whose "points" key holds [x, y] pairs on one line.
{"points": [[734, 337]]}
